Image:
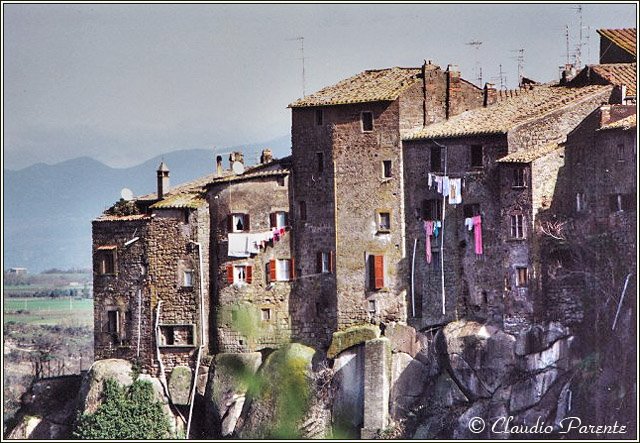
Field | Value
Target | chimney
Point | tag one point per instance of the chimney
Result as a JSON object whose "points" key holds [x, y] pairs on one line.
{"points": [[266, 157], [219, 165], [453, 90], [236, 156], [163, 180], [490, 94], [568, 72]]}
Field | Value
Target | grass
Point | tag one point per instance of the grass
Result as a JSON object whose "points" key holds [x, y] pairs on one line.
{"points": [[49, 311]]}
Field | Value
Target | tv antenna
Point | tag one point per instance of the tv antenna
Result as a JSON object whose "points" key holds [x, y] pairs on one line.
{"points": [[304, 82], [520, 59], [475, 44], [502, 77], [581, 43]]}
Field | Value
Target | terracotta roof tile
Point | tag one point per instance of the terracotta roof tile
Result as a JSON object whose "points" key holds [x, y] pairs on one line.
{"points": [[624, 123], [624, 38], [368, 86], [618, 74], [499, 118], [529, 155]]}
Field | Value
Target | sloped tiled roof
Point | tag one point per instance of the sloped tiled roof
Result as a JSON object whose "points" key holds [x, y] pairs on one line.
{"points": [[624, 123], [618, 74], [499, 118], [624, 38], [529, 155], [368, 86]]}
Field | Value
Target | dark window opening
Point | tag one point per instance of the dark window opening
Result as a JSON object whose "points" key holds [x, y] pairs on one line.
{"points": [[177, 335], [367, 121], [302, 210], [471, 210], [581, 202], [113, 326], [372, 306], [386, 168], [319, 117], [320, 161], [107, 261], [517, 226], [384, 221], [435, 160], [622, 202], [265, 314], [621, 152], [522, 277], [431, 209], [519, 177], [476, 156]]}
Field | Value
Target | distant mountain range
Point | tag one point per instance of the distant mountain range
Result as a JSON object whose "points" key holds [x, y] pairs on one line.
{"points": [[48, 208]]}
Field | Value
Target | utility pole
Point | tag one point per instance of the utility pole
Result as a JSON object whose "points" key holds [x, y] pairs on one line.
{"points": [[476, 45], [304, 81]]}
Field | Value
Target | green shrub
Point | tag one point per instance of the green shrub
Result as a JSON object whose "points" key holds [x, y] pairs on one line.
{"points": [[126, 413]]}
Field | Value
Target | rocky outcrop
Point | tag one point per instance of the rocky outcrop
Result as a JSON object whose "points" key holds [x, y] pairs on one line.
{"points": [[180, 385], [89, 398]]}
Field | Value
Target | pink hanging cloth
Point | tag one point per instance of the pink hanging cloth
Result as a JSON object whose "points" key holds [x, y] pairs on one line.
{"points": [[428, 231], [477, 233]]}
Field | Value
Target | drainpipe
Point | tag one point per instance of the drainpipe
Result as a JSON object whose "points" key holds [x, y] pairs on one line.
{"points": [[139, 321], [195, 375], [413, 270], [624, 290], [444, 197]]}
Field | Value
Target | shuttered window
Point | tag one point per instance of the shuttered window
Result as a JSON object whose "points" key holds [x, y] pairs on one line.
{"points": [[238, 223], [324, 262], [239, 274], [278, 219], [376, 271]]}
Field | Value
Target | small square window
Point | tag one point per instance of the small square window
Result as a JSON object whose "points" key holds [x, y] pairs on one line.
{"points": [[320, 161], [319, 117], [476, 156], [106, 260], [522, 276], [367, 121], [265, 314], [278, 219], [187, 278], [283, 270], [431, 209], [386, 168], [239, 222], [384, 221], [239, 274], [519, 177], [282, 181], [372, 306]]}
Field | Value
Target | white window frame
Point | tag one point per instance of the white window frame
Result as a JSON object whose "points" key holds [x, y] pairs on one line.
{"points": [[379, 217], [325, 263], [371, 306], [520, 225], [283, 269], [239, 274], [281, 219], [187, 278], [235, 218]]}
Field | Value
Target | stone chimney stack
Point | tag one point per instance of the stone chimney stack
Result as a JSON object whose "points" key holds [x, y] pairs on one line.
{"points": [[567, 73], [236, 156], [219, 170], [453, 90], [266, 157], [490, 94], [163, 179]]}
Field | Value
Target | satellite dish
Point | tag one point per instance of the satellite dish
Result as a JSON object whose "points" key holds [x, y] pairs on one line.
{"points": [[238, 168], [126, 194]]}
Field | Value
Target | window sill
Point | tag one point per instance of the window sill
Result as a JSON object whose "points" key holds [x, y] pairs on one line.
{"points": [[177, 346], [519, 239], [383, 231], [519, 188]]}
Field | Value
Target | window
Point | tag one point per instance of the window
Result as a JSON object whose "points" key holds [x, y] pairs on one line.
{"points": [[376, 272], [522, 276], [386, 168], [319, 117], [187, 278], [324, 263], [435, 160], [384, 221], [581, 202], [239, 274], [320, 161], [476, 156], [280, 270], [177, 335], [265, 314], [517, 226], [436, 260], [372, 306], [282, 181], [238, 223], [106, 260], [302, 210], [622, 202], [621, 152], [519, 177], [471, 210], [366, 118], [278, 219], [431, 209], [113, 322]]}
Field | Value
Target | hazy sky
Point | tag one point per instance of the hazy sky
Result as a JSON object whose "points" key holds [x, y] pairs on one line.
{"points": [[122, 83]]}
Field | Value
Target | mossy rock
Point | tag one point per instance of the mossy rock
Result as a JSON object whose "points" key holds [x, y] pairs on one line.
{"points": [[352, 336], [180, 385]]}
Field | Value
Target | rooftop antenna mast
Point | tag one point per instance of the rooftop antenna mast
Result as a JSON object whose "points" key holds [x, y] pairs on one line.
{"points": [[566, 36], [520, 59], [580, 43], [476, 45], [502, 77], [304, 81]]}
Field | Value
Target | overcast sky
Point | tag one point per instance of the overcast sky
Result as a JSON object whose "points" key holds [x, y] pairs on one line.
{"points": [[122, 83]]}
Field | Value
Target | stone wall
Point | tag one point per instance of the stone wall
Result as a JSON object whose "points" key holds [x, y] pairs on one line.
{"points": [[238, 322]]}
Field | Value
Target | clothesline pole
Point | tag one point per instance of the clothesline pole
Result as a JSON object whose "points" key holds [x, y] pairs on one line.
{"points": [[444, 196], [413, 270]]}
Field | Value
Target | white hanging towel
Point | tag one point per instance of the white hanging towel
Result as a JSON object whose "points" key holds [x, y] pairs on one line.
{"points": [[238, 245], [445, 185], [455, 191], [468, 222]]}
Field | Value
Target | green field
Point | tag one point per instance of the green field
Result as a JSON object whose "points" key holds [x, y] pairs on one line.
{"points": [[49, 311]]}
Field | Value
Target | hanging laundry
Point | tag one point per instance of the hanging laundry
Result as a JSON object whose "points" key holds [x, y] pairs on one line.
{"points": [[477, 234], [436, 228], [429, 180], [428, 231], [238, 245], [438, 181], [468, 222], [455, 191], [445, 185]]}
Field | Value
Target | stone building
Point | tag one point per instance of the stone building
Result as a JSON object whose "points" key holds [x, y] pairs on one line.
{"points": [[346, 192], [252, 266], [150, 264], [506, 157], [617, 45]]}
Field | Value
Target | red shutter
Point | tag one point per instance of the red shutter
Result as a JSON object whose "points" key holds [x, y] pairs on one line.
{"points": [[249, 274], [319, 262], [272, 270], [378, 267], [292, 264], [247, 224], [230, 274], [230, 223], [273, 220], [332, 259]]}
